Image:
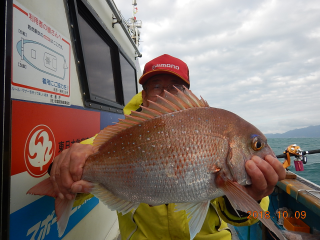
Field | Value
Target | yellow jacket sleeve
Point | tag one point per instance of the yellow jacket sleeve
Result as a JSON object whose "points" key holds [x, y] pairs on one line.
{"points": [[134, 104]]}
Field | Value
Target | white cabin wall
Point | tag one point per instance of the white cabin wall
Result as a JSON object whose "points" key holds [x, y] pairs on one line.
{"points": [[51, 11], [100, 222], [139, 74]]}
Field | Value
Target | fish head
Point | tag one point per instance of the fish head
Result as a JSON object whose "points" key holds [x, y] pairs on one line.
{"points": [[246, 141]]}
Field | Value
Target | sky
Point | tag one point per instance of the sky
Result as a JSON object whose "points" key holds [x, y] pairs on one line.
{"points": [[257, 59]]}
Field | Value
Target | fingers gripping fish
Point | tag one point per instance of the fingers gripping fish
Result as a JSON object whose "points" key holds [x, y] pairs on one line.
{"points": [[177, 150]]}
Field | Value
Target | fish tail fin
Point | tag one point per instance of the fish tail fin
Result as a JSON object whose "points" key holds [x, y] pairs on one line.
{"points": [[63, 209], [243, 202], [45, 187], [62, 206]]}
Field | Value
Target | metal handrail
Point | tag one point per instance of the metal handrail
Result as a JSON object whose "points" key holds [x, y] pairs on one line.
{"points": [[121, 21]]}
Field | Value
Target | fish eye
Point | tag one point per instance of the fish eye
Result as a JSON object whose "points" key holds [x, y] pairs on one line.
{"points": [[257, 144]]}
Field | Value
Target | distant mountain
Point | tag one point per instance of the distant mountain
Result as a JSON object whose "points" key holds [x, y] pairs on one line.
{"points": [[307, 132]]}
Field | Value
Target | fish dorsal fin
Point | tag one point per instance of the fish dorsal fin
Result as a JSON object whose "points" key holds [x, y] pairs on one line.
{"points": [[175, 100], [158, 107], [163, 105]]}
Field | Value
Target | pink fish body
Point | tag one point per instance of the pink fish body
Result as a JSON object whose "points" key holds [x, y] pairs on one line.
{"points": [[179, 150], [175, 153]]}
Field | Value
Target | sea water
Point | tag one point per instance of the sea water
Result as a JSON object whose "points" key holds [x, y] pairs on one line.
{"points": [[312, 168]]}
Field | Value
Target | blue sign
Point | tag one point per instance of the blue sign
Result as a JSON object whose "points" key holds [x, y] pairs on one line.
{"points": [[38, 221]]}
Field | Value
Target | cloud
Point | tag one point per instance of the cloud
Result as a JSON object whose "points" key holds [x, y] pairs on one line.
{"points": [[259, 59]]}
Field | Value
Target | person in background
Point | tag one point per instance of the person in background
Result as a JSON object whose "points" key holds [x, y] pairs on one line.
{"points": [[162, 222]]}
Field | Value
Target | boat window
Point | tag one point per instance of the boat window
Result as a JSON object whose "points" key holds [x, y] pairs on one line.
{"points": [[107, 74], [98, 63], [128, 79]]}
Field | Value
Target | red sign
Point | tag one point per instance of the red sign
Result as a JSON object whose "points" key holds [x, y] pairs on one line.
{"points": [[39, 150], [40, 132]]}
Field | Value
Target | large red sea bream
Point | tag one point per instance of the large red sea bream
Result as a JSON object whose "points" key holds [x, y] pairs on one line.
{"points": [[178, 150]]}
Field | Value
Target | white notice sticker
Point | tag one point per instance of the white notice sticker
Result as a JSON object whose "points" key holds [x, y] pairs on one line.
{"points": [[40, 60]]}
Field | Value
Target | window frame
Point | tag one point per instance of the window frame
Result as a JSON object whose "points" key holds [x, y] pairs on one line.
{"points": [[135, 71], [82, 8]]}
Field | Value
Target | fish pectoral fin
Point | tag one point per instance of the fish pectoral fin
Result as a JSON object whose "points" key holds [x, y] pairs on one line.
{"points": [[241, 200], [112, 201], [197, 213]]}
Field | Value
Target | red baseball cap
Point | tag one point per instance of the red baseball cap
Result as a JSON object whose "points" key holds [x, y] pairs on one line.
{"points": [[165, 64]]}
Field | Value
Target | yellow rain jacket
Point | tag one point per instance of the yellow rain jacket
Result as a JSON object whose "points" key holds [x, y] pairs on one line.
{"points": [[162, 222]]}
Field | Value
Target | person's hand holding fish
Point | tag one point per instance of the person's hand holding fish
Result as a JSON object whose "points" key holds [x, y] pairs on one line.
{"points": [[264, 176], [67, 168]]}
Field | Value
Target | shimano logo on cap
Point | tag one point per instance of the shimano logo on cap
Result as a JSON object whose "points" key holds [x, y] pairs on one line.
{"points": [[165, 65]]}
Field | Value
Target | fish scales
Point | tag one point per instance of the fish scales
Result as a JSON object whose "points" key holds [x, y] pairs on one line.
{"points": [[165, 159]]}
